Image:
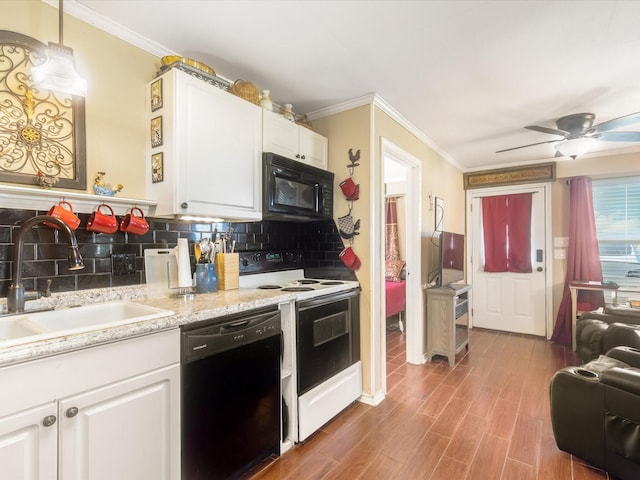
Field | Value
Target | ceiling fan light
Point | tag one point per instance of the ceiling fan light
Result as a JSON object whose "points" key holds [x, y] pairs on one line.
{"points": [[574, 147]]}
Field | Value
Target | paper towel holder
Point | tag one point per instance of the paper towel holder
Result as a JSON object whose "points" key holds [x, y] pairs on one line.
{"points": [[161, 271]]}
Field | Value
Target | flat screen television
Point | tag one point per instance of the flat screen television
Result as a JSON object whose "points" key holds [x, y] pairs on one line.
{"points": [[451, 258]]}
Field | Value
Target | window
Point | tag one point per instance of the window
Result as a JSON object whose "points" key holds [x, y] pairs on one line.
{"points": [[616, 205]]}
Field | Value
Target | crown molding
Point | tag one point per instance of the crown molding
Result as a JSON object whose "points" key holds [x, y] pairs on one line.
{"points": [[377, 101], [105, 24]]}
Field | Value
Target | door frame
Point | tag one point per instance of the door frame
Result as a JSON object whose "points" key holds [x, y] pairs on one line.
{"points": [[548, 244], [414, 312]]}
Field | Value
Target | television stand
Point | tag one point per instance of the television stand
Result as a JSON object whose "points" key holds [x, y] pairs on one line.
{"points": [[447, 321]]}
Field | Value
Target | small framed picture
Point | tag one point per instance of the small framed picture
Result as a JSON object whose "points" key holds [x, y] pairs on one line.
{"points": [[156, 95], [157, 167], [156, 131]]}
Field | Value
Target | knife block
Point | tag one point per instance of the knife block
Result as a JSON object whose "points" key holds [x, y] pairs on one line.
{"points": [[228, 270]]}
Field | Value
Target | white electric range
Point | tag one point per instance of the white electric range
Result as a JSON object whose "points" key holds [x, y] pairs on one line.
{"points": [[324, 341]]}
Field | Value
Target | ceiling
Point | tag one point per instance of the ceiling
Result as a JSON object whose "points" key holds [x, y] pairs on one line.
{"points": [[467, 74]]}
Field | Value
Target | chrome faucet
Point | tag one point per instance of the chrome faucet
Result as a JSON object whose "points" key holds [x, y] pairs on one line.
{"points": [[16, 293]]}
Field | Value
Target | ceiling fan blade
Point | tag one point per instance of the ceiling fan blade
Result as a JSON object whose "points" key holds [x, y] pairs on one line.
{"points": [[552, 131], [619, 136], [616, 123], [530, 145]]}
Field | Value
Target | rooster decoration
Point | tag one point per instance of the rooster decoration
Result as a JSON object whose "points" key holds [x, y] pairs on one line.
{"points": [[102, 189]]}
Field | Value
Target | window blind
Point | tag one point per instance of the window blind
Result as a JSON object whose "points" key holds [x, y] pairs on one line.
{"points": [[616, 205]]}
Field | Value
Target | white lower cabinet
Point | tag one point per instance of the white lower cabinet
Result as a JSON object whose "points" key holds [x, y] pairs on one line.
{"points": [[28, 448], [113, 412]]}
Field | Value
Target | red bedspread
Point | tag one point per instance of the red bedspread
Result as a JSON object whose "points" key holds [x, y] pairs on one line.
{"points": [[395, 293]]}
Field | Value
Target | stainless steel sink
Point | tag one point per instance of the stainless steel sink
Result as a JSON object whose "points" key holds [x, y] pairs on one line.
{"points": [[29, 327]]}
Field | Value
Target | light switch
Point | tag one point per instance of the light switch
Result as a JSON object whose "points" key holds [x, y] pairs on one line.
{"points": [[560, 241], [560, 253]]}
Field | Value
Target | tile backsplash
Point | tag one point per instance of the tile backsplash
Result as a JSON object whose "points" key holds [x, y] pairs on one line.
{"points": [[45, 250]]}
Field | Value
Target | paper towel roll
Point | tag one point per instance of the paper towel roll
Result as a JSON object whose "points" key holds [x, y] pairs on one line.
{"points": [[184, 265]]}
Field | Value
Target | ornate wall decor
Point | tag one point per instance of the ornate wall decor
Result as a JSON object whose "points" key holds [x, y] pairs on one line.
{"points": [[544, 172], [42, 132]]}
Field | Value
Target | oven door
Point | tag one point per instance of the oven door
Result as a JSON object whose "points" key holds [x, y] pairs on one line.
{"points": [[328, 331]]}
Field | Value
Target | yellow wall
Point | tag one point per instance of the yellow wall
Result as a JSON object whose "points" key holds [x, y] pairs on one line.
{"points": [[351, 130], [116, 73], [363, 128]]}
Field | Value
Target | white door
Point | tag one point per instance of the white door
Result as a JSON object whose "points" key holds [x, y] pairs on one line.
{"points": [[511, 302], [126, 431]]}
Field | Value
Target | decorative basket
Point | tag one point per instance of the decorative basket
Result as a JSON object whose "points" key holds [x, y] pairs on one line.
{"points": [[245, 90]]}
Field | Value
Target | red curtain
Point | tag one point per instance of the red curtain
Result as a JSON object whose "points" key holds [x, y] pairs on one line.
{"points": [[506, 223], [583, 257], [392, 242]]}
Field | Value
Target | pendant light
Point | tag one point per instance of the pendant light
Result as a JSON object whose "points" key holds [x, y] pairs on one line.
{"points": [[58, 72]]}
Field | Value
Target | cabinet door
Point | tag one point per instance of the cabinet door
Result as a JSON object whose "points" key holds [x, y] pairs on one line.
{"points": [[29, 444], [215, 162], [128, 430], [279, 135], [313, 148], [219, 138]]}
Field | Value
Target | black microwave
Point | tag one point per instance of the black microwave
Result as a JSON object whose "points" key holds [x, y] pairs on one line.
{"points": [[295, 191]]}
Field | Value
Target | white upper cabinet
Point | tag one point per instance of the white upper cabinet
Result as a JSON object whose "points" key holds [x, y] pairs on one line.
{"points": [[210, 143], [293, 141]]}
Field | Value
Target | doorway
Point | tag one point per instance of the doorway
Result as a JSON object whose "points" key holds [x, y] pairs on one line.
{"points": [[408, 169], [506, 301]]}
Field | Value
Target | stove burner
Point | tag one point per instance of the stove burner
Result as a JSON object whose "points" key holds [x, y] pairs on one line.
{"points": [[333, 282], [297, 289], [307, 281], [269, 287]]}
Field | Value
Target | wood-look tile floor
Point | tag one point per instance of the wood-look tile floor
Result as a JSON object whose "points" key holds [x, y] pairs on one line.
{"points": [[487, 418]]}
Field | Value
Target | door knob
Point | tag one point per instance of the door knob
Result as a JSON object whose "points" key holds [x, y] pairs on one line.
{"points": [[71, 412], [49, 420], [539, 269]]}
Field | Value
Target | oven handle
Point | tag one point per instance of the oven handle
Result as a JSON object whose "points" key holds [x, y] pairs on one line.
{"points": [[323, 300]]}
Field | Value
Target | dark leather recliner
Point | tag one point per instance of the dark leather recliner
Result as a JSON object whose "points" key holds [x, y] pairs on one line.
{"points": [[595, 412], [597, 333]]}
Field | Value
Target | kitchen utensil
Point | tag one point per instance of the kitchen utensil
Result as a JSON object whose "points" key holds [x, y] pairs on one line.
{"points": [[205, 249], [197, 252]]}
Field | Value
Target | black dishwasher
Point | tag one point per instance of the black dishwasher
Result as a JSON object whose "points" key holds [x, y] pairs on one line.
{"points": [[230, 393]]}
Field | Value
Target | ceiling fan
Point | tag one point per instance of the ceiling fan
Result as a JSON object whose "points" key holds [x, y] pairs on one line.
{"points": [[579, 133]]}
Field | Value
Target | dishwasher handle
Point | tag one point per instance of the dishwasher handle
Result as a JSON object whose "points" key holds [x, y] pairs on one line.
{"points": [[232, 327], [201, 343]]}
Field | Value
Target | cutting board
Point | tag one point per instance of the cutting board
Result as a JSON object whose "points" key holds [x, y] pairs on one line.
{"points": [[161, 271]]}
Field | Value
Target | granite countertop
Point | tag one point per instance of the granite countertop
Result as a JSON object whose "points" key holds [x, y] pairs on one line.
{"points": [[201, 306]]}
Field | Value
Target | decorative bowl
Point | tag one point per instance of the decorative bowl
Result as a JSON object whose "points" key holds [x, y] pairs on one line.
{"points": [[169, 59]]}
